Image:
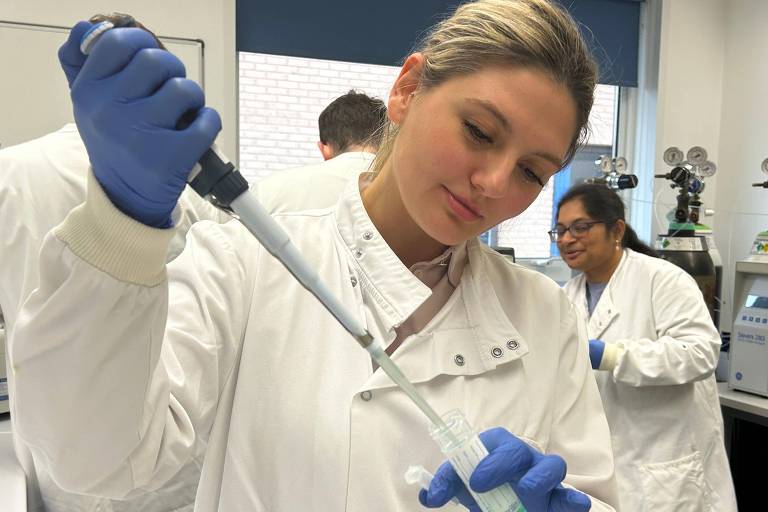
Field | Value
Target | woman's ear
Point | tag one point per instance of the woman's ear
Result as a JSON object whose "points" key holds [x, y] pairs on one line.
{"points": [[619, 229], [405, 86]]}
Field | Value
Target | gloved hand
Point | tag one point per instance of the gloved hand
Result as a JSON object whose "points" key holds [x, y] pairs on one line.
{"points": [[596, 349], [536, 478], [70, 56], [128, 98]]}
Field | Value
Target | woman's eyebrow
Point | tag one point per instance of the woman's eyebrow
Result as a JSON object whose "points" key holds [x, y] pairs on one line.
{"points": [[495, 112], [491, 109]]}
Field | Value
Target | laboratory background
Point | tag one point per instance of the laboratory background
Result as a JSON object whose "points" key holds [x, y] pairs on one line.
{"points": [[678, 129]]}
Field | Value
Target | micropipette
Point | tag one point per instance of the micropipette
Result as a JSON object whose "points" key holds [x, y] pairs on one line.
{"points": [[217, 180]]}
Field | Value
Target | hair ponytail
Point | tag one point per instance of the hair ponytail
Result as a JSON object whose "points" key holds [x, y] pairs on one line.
{"points": [[630, 241]]}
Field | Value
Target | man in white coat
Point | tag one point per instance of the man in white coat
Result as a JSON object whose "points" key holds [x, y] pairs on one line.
{"points": [[654, 349], [350, 133]]}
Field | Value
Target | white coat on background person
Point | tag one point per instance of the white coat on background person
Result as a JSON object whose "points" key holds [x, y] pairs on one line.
{"points": [[350, 129], [656, 374], [312, 186], [40, 182], [230, 349]]}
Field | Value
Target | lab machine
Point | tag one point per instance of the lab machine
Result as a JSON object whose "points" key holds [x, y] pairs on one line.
{"points": [[684, 244], [614, 173], [749, 351]]}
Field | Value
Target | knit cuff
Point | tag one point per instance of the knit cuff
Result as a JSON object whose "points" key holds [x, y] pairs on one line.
{"points": [[105, 237]]}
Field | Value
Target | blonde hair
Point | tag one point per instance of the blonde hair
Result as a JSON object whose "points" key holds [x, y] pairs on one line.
{"points": [[523, 33]]}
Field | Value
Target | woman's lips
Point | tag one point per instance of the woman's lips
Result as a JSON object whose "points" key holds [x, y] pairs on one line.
{"points": [[460, 207], [570, 255]]}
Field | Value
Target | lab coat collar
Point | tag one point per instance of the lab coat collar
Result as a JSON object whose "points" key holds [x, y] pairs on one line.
{"points": [[471, 326], [391, 285], [355, 154], [606, 311]]}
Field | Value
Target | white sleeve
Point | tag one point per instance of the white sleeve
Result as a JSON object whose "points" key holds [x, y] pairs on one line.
{"points": [[110, 399], [686, 345], [580, 431]]}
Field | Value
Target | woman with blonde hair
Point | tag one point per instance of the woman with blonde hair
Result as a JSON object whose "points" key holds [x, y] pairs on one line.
{"points": [[224, 347]]}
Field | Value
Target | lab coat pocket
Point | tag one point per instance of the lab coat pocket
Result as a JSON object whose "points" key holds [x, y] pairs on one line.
{"points": [[677, 485]]}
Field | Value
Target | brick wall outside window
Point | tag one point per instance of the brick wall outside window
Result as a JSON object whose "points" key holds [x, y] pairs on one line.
{"points": [[282, 97]]}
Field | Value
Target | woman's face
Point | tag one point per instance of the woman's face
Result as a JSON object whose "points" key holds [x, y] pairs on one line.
{"points": [[477, 149], [593, 249]]}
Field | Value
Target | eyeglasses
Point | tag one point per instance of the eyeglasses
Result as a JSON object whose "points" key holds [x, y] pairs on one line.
{"points": [[578, 229]]}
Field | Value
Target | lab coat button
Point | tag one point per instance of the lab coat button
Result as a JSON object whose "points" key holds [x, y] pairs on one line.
{"points": [[513, 344], [458, 359], [497, 352], [366, 396], [367, 235], [358, 253], [353, 280]]}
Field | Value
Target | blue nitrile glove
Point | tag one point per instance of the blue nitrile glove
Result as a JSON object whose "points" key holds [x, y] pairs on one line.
{"points": [[70, 56], [536, 478], [596, 349], [128, 99]]}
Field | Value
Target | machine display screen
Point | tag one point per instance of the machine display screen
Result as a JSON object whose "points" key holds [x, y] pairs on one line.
{"points": [[756, 301]]}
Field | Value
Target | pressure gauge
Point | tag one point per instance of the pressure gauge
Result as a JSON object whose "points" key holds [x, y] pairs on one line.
{"points": [[707, 169], [621, 164], [605, 164], [697, 155], [673, 156], [764, 166]]}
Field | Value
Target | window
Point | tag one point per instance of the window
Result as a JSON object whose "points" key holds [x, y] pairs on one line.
{"points": [[280, 99]]}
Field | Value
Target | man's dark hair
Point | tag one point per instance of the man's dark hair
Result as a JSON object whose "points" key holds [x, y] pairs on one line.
{"points": [[120, 20], [354, 119]]}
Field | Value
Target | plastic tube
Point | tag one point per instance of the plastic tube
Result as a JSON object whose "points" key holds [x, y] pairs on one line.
{"points": [[417, 475], [463, 448]]}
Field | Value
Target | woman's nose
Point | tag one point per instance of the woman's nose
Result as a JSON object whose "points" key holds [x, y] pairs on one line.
{"points": [[494, 179], [565, 238]]}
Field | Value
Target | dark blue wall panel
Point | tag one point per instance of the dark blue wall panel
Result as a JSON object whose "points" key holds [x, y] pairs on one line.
{"points": [[384, 32]]}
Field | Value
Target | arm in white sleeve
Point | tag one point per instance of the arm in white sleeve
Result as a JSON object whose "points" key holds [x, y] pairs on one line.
{"points": [[580, 431], [109, 398], [686, 344]]}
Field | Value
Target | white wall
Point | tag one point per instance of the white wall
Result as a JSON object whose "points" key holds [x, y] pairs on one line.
{"points": [[741, 210], [212, 21], [690, 93], [713, 72]]}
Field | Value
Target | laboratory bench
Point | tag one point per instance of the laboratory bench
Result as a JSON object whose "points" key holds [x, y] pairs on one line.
{"points": [[745, 418]]}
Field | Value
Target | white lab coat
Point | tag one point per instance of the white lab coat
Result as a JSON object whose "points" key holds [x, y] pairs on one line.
{"points": [[660, 398], [311, 186], [294, 416], [40, 182]]}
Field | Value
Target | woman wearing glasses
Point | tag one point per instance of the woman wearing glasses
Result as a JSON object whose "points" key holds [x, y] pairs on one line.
{"points": [[655, 348]]}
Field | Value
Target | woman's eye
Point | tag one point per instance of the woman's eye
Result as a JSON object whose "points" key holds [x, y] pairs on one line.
{"points": [[531, 176], [477, 133]]}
